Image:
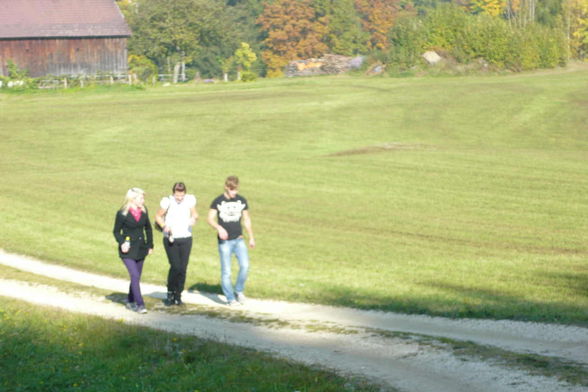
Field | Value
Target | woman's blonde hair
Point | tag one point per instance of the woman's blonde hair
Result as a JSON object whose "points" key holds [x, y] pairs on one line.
{"points": [[132, 194]]}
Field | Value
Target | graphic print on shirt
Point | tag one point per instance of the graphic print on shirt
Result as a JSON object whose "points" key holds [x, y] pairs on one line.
{"points": [[230, 211]]}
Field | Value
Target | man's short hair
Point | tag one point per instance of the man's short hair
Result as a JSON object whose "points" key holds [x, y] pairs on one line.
{"points": [[232, 182]]}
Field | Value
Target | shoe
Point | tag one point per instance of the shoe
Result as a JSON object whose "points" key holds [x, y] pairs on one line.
{"points": [[169, 301], [241, 298], [131, 306], [233, 303], [178, 299], [141, 309]]}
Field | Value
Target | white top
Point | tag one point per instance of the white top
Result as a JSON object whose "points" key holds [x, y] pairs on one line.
{"points": [[178, 215]]}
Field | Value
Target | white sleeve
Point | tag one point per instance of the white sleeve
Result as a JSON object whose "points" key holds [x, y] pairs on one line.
{"points": [[190, 201], [164, 203]]}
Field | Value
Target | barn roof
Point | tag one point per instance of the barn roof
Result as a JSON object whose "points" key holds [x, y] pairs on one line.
{"points": [[61, 18]]}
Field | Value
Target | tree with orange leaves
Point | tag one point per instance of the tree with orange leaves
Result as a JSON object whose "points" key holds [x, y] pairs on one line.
{"points": [[294, 31], [377, 17]]}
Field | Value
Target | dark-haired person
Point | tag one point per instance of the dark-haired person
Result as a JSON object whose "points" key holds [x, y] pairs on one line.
{"points": [[226, 214], [176, 215], [132, 230]]}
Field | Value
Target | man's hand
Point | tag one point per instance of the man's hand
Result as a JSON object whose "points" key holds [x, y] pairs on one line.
{"points": [[222, 233]]}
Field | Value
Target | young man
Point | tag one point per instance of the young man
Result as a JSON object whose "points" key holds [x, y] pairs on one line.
{"points": [[226, 214], [176, 215]]}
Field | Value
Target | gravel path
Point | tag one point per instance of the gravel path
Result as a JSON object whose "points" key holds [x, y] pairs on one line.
{"points": [[346, 340]]}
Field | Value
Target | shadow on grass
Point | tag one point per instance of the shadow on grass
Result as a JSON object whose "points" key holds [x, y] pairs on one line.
{"points": [[575, 281], [497, 305], [457, 301]]}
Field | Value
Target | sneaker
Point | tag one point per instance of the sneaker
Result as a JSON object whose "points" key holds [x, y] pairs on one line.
{"points": [[131, 306], [233, 303], [141, 309], [241, 298]]}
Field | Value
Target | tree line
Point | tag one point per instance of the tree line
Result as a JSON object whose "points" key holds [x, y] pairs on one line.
{"points": [[249, 38]]}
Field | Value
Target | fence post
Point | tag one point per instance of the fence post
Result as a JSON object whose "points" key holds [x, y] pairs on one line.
{"points": [[64, 82]]}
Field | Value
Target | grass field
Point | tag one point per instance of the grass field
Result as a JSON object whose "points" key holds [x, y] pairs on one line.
{"points": [[461, 197]]}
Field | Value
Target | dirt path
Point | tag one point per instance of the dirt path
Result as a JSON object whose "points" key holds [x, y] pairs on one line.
{"points": [[345, 340]]}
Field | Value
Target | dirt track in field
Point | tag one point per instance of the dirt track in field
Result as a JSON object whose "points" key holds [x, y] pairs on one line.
{"points": [[400, 352]]}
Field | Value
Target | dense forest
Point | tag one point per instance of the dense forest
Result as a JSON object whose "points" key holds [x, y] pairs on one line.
{"points": [[250, 38]]}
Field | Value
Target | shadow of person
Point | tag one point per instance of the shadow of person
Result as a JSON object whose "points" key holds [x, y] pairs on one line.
{"points": [[211, 291], [119, 298], [205, 288]]}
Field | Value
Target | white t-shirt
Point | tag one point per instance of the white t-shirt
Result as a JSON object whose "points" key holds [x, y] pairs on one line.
{"points": [[178, 215]]}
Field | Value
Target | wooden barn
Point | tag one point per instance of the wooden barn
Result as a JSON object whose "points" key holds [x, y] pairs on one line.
{"points": [[63, 37]]}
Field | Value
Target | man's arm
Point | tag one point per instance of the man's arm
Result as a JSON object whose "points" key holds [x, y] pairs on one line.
{"points": [[212, 221], [247, 225]]}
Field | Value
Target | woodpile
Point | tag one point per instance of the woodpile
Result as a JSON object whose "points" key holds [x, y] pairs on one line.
{"points": [[329, 64]]}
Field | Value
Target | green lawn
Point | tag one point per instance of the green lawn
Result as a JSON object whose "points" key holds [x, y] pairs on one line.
{"points": [[462, 197]]}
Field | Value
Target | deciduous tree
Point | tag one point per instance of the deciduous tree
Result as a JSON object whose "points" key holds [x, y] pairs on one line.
{"points": [[377, 18], [294, 31], [489, 7], [172, 32], [577, 16], [344, 31]]}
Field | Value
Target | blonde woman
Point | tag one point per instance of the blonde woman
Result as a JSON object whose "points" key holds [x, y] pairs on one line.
{"points": [[133, 233]]}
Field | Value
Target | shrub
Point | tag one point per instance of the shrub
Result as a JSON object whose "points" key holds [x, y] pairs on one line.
{"points": [[142, 67], [248, 76], [445, 26], [17, 77], [465, 38], [489, 38], [407, 42]]}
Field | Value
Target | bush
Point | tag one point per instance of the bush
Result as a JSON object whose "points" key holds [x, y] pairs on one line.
{"points": [[524, 53], [407, 42], [142, 67], [489, 38], [248, 76], [467, 38], [17, 78], [445, 27]]}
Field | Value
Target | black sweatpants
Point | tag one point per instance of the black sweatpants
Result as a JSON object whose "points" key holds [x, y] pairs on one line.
{"points": [[178, 255]]}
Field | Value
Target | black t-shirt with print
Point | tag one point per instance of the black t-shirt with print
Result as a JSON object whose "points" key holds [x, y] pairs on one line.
{"points": [[229, 212]]}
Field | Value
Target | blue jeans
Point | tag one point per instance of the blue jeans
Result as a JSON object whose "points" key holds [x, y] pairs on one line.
{"points": [[225, 250]]}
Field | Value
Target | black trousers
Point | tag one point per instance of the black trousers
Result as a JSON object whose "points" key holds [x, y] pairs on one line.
{"points": [[178, 255]]}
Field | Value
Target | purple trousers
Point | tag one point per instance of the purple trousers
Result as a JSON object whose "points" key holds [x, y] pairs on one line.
{"points": [[135, 268]]}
